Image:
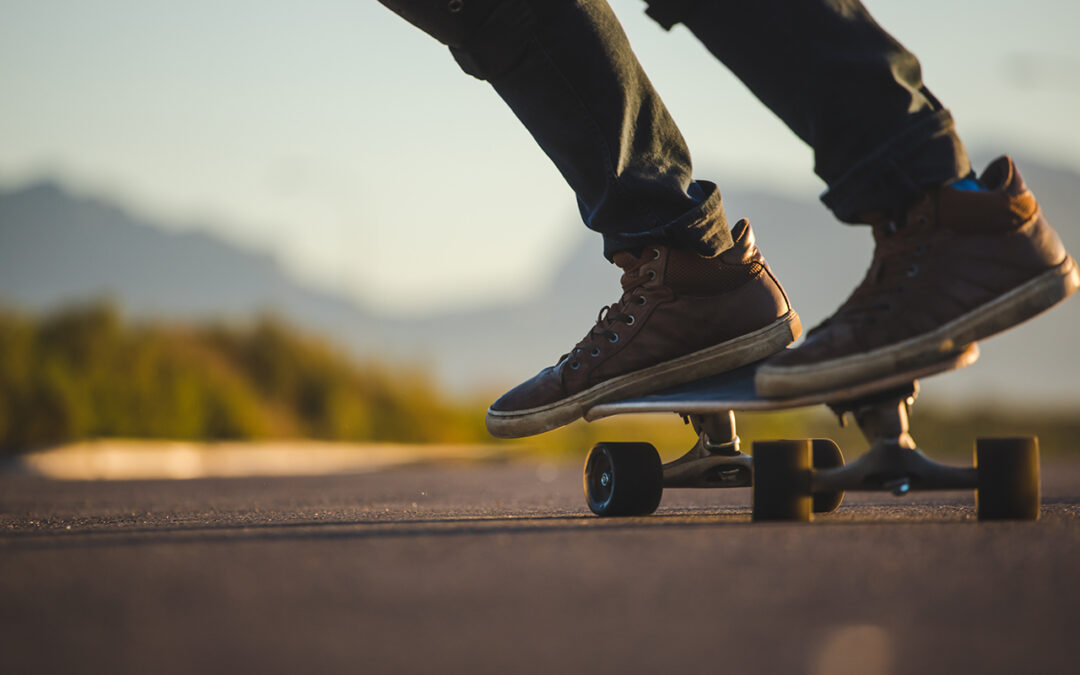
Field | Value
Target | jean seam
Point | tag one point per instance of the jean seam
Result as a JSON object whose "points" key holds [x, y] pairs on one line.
{"points": [[883, 159], [694, 227], [609, 165]]}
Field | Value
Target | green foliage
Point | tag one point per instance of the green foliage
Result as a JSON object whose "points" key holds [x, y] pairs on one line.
{"points": [[85, 372]]}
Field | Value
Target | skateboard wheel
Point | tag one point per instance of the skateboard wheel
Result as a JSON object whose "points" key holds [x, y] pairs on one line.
{"points": [[826, 455], [782, 480], [623, 479], [1008, 474]]}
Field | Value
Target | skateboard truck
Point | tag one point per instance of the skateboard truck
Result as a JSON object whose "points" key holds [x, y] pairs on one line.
{"points": [[893, 462], [794, 478], [715, 460]]}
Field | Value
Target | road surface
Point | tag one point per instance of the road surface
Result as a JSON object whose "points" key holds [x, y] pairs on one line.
{"points": [[499, 568]]}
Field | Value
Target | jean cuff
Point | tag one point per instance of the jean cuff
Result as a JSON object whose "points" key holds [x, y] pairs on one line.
{"points": [[926, 154], [703, 229]]}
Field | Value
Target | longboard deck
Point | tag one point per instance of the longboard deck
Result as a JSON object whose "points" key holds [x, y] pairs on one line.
{"points": [[734, 390]]}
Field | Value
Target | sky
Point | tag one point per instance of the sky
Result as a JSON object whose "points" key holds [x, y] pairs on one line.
{"points": [[350, 145]]}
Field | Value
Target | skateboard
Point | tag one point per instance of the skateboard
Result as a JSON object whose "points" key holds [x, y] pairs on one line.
{"points": [[793, 479]]}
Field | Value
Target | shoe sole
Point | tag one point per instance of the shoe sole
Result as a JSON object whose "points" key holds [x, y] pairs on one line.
{"points": [[720, 358], [1001, 313]]}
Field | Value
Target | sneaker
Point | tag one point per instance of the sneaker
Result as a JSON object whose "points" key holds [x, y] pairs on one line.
{"points": [[959, 266], [680, 317]]}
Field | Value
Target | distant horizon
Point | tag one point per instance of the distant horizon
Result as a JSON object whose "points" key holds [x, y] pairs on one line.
{"points": [[278, 249]]}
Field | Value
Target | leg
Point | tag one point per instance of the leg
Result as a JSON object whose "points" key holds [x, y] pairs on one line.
{"points": [[567, 71], [955, 260], [843, 85], [697, 297]]}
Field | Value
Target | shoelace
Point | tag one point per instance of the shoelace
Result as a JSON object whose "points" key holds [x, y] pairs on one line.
{"points": [[611, 315]]}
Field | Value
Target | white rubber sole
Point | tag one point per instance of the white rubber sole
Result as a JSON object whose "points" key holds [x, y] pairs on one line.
{"points": [[720, 358], [1004, 312]]}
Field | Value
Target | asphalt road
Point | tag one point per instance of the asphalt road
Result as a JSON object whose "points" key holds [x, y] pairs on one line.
{"points": [[499, 568]]}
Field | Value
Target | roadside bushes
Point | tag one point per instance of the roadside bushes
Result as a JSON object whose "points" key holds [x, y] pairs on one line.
{"points": [[86, 373]]}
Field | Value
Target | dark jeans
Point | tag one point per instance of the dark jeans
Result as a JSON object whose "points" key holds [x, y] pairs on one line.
{"points": [[839, 81]]}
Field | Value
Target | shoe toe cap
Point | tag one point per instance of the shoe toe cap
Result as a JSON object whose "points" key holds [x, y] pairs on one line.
{"points": [[544, 388]]}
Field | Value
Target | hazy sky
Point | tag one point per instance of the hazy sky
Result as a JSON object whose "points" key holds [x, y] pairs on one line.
{"points": [[348, 142]]}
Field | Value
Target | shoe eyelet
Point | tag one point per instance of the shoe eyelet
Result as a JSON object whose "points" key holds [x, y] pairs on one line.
{"points": [[641, 300], [656, 254], [913, 271], [574, 365], [630, 320], [652, 275], [614, 338], [595, 352]]}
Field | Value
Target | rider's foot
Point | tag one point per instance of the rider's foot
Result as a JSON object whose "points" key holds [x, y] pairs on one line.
{"points": [[960, 265], [680, 317]]}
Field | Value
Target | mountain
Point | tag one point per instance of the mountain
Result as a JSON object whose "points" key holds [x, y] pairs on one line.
{"points": [[57, 248]]}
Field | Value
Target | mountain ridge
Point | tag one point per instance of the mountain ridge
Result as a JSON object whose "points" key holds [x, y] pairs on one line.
{"points": [[57, 248]]}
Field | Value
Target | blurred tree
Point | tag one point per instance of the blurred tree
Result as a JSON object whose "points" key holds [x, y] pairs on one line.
{"points": [[84, 372]]}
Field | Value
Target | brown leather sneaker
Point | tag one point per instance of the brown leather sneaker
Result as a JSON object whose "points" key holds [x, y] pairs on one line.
{"points": [[959, 266], [680, 317]]}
